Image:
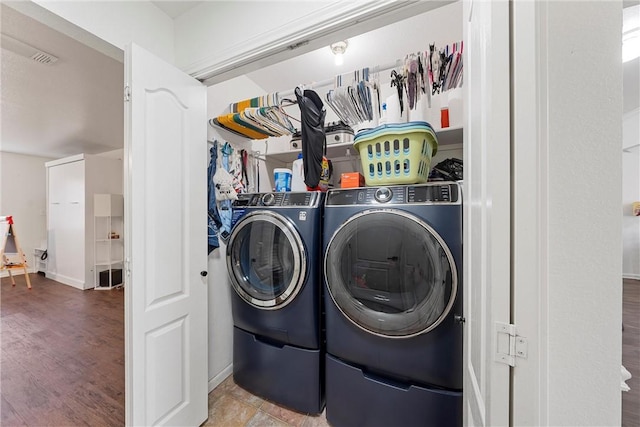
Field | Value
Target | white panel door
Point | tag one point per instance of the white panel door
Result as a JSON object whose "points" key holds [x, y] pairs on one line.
{"points": [[165, 244], [487, 252], [66, 233]]}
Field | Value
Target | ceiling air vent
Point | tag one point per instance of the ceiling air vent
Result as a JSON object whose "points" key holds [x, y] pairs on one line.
{"points": [[44, 58], [23, 49]]}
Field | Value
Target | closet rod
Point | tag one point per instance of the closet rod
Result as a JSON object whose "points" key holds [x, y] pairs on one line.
{"points": [[252, 153], [329, 82]]}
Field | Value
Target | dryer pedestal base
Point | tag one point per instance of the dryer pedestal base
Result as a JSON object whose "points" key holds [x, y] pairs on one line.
{"points": [[286, 375], [355, 399]]}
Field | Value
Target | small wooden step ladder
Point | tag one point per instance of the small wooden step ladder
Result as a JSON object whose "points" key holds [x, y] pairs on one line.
{"points": [[12, 256]]}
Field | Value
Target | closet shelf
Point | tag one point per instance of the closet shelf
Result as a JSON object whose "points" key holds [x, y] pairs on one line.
{"points": [[335, 152], [108, 247], [106, 262]]}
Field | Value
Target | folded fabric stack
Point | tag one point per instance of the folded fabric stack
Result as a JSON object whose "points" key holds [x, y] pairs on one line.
{"points": [[256, 118], [269, 100]]}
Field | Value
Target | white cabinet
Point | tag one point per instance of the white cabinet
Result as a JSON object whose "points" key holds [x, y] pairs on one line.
{"points": [[65, 231], [109, 238], [71, 184]]}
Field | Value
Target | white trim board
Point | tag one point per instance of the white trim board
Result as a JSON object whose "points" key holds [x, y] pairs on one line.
{"points": [[218, 379]]}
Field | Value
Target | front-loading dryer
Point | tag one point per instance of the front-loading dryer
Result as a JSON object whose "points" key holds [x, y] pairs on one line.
{"points": [[393, 301], [273, 256]]}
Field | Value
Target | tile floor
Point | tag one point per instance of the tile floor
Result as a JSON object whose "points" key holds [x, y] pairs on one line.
{"points": [[232, 406]]}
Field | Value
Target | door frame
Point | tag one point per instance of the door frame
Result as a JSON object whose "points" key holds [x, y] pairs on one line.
{"points": [[487, 210], [92, 40]]}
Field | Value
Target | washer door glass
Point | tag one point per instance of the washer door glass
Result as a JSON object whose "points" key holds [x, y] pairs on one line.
{"points": [[390, 273], [266, 260]]}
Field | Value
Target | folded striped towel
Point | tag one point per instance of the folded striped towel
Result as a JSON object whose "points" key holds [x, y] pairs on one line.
{"points": [[269, 100]]}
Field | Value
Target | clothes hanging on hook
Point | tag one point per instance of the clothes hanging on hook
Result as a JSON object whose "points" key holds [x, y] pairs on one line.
{"points": [[355, 97], [225, 191], [411, 78], [398, 81], [445, 67], [226, 149], [313, 113], [214, 222], [245, 176]]}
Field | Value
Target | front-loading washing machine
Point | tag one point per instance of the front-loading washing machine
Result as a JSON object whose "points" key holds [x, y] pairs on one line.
{"points": [[273, 264], [393, 301]]}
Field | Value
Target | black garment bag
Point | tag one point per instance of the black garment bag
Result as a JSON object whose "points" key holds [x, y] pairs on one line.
{"points": [[312, 115]]}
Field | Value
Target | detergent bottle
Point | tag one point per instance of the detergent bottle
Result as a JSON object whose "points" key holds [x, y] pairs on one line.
{"points": [[297, 179]]}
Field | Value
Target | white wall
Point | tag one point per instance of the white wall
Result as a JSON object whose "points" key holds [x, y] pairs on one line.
{"points": [[232, 38], [630, 194], [23, 195], [217, 31], [567, 264], [220, 321], [584, 294], [113, 154], [120, 22]]}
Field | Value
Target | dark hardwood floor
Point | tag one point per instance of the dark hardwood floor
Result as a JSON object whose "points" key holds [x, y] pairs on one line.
{"points": [[62, 355], [62, 358], [631, 352]]}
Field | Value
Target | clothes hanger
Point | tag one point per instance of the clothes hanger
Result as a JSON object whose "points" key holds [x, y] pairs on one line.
{"points": [[289, 103]]}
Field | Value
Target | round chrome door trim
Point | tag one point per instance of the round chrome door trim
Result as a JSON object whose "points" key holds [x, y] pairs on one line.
{"points": [[299, 259], [433, 233]]}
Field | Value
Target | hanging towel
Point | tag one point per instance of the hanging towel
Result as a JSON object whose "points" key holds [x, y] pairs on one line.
{"points": [[214, 218], [235, 170]]}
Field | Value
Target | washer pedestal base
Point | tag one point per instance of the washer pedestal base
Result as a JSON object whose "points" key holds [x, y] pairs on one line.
{"points": [[356, 399], [286, 375]]}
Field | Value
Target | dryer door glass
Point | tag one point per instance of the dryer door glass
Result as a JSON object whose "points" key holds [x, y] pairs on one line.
{"points": [[266, 260], [390, 273]]}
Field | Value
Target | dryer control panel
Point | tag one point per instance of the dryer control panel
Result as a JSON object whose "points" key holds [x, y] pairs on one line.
{"points": [[431, 193]]}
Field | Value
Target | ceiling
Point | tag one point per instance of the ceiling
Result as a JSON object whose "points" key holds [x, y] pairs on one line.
{"points": [[390, 43], [75, 105], [70, 107], [176, 8]]}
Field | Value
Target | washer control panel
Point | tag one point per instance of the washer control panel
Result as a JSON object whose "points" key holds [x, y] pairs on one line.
{"points": [[383, 194], [277, 199], [431, 193]]}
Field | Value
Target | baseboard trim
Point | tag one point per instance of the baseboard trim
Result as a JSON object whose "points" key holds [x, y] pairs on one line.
{"points": [[217, 380], [66, 280], [631, 276]]}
